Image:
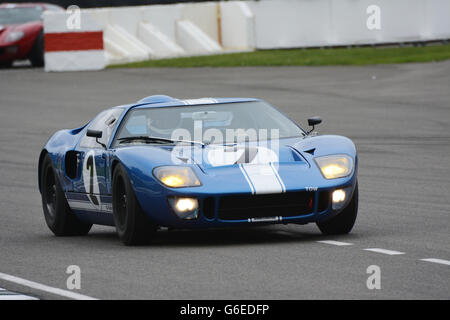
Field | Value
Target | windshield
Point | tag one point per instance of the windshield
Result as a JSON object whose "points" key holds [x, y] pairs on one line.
{"points": [[210, 124], [20, 15]]}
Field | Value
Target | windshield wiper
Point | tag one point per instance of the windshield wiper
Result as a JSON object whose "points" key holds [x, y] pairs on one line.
{"points": [[156, 140]]}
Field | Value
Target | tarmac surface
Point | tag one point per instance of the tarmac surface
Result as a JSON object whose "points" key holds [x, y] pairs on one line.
{"points": [[397, 115]]}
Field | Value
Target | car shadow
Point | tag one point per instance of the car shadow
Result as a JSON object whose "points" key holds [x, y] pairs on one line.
{"points": [[19, 65], [255, 235]]}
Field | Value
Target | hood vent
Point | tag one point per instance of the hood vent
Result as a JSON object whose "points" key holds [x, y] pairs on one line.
{"points": [[310, 151], [296, 155]]}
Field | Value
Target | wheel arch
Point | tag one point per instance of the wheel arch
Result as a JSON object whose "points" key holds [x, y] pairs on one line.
{"points": [[114, 164], [129, 170], [44, 152]]}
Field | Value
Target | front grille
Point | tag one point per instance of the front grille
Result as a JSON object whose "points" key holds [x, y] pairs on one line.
{"points": [[240, 207], [324, 200], [208, 207]]}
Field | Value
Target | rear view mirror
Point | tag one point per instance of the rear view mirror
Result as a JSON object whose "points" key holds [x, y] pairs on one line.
{"points": [[94, 133], [313, 121], [97, 134], [211, 116]]}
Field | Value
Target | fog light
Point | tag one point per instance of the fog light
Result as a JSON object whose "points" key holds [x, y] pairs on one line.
{"points": [[338, 195], [185, 208], [338, 198], [186, 204]]}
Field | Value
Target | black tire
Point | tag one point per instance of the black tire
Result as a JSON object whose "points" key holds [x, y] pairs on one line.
{"points": [[58, 216], [36, 55], [344, 221], [132, 225], [6, 64]]}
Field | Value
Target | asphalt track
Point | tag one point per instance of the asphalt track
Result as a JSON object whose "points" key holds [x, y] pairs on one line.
{"points": [[398, 116]]}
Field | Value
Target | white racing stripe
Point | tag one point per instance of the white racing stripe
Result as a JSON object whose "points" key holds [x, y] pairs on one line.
{"points": [[262, 178], [45, 288], [336, 243], [199, 101], [275, 171], [384, 251], [244, 173], [434, 260], [89, 206]]}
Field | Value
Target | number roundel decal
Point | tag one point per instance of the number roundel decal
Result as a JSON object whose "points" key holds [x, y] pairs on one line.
{"points": [[90, 178]]}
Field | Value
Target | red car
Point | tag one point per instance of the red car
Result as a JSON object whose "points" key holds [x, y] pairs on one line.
{"points": [[21, 32]]}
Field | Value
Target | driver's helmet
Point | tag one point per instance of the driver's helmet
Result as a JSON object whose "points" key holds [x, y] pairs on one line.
{"points": [[163, 121]]}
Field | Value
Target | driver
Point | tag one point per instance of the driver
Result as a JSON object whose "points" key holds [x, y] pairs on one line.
{"points": [[163, 123]]}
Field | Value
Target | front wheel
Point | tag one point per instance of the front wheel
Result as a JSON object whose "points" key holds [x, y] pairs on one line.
{"points": [[37, 51], [132, 225], [344, 221], [6, 64], [58, 216]]}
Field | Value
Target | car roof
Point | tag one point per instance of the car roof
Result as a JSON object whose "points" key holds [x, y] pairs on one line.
{"points": [[159, 101]]}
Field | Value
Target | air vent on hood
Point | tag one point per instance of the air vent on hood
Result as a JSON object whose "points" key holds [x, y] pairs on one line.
{"points": [[311, 151], [296, 155]]}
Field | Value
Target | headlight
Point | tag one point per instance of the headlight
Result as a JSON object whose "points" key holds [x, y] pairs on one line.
{"points": [[176, 177], [335, 166], [14, 36]]}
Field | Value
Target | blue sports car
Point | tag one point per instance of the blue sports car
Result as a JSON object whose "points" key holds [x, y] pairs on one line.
{"points": [[199, 163]]}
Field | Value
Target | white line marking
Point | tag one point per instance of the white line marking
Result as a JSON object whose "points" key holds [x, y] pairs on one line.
{"points": [[384, 251], [43, 287], [17, 297], [9, 295], [336, 243], [440, 261]]}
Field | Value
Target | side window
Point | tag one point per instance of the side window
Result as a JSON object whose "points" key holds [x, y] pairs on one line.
{"points": [[106, 121]]}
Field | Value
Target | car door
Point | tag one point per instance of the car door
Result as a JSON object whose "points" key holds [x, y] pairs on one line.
{"points": [[93, 184]]}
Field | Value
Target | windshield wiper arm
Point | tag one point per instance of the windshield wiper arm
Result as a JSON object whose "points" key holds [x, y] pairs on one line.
{"points": [[156, 140], [145, 138]]}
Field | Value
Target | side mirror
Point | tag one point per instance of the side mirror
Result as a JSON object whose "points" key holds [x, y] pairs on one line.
{"points": [[97, 134], [313, 121], [94, 133]]}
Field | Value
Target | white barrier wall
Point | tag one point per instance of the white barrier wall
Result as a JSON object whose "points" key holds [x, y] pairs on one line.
{"points": [[237, 25], [158, 31], [205, 16], [163, 45], [306, 23], [70, 48], [437, 17]]}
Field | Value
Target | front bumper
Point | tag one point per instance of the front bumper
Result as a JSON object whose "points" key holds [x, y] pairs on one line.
{"points": [[238, 209], [16, 50]]}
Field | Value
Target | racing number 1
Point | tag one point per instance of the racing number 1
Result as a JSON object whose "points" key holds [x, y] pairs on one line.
{"points": [[90, 167]]}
